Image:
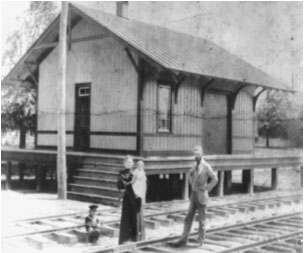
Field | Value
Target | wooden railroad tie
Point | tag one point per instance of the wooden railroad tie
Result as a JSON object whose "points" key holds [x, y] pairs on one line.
{"points": [[39, 241]]}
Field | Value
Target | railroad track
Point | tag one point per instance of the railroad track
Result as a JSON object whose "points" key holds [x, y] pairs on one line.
{"points": [[276, 234], [159, 217]]}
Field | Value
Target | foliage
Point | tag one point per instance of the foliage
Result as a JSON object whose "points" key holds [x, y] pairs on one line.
{"points": [[271, 116], [280, 116], [18, 106]]}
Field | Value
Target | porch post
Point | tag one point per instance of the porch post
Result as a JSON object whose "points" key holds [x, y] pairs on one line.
{"points": [[61, 137]]}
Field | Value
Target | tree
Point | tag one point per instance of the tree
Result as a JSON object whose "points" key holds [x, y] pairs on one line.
{"points": [[18, 111], [280, 115], [271, 116], [18, 107]]}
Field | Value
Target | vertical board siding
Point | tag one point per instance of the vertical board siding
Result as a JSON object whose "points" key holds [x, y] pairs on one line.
{"points": [[51, 140], [159, 143], [242, 123], [104, 64], [186, 118], [215, 113], [48, 98], [113, 142], [149, 107]]}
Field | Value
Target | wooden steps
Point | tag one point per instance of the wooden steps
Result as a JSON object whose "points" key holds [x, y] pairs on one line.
{"points": [[96, 181], [111, 192], [105, 200]]}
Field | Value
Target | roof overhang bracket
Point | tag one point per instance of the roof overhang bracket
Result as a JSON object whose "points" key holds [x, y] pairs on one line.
{"points": [[132, 60], [204, 89], [234, 94], [255, 98], [31, 73], [178, 80]]}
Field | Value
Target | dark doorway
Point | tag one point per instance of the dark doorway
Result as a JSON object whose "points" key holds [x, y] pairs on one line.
{"points": [[82, 116]]}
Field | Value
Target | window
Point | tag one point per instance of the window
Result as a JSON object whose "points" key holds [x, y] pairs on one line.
{"points": [[164, 107], [84, 91]]}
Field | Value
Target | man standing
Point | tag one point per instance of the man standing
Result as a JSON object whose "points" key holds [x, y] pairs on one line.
{"points": [[199, 175]]}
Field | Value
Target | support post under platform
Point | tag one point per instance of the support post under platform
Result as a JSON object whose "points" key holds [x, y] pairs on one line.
{"points": [[248, 180], [8, 175], [186, 187], [21, 172], [274, 178], [228, 181], [220, 184], [38, 178]]}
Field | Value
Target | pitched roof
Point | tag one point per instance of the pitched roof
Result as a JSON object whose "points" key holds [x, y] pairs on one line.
{"points": [[178, 51]]}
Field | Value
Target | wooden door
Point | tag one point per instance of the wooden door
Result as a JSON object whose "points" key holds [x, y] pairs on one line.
{"points": [[82, 117], [215, 123]]}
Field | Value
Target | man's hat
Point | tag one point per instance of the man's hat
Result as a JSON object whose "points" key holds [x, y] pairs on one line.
{"points": [[93, 207]]}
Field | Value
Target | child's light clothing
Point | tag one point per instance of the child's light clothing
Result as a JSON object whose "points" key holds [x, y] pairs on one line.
{"points": [[139, 184]]}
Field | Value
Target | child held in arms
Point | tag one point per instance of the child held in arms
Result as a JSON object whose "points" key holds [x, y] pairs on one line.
{"points": [[139, 185]]}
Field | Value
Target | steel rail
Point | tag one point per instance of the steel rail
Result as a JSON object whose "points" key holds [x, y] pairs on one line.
{"points": [[130, 247], [290, 197], [262, 243]]}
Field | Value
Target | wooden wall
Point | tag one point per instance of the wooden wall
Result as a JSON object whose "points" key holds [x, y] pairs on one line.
{"points": [[193, 124], [104, 64], [186, 119], [243, 123], [215, 123]]}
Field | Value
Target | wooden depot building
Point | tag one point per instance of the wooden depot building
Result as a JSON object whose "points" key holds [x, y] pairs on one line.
{"points": [[136, 88]]}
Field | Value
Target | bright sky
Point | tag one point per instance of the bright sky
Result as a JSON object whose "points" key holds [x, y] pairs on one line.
{"points": [[10, 10], [259, 32]]}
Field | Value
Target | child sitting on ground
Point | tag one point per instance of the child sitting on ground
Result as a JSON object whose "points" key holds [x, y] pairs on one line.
{"points": [[91, 225]]}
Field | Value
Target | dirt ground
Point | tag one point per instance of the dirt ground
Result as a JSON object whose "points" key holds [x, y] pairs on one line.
{"points": [[25, 205]]}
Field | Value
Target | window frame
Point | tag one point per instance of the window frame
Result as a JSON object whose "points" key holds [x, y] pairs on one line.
{"points": [[168, 85]]}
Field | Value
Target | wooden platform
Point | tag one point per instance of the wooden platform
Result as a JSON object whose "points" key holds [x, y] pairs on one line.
{"points": [[92, 177]]}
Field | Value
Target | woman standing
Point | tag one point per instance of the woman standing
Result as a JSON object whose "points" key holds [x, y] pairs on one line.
{"points": [[128, 223]]}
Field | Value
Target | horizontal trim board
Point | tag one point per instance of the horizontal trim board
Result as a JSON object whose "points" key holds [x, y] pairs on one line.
{"points": [[52, 132], [243, 137], [91, 133], [114, 133], [43, 147], [171, 135], [168, 153], [112, 151], [242, 151]]}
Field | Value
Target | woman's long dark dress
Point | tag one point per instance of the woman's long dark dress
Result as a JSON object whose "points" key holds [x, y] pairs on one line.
{"points": [[128, 222]]}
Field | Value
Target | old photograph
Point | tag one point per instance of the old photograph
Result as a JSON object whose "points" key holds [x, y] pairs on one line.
{"points": [[163, 126]]}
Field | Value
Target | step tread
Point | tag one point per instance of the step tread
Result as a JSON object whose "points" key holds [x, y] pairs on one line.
{"points": [[95, 179], [103, 163], [97, 171], [94, 196], [94, 187]]}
